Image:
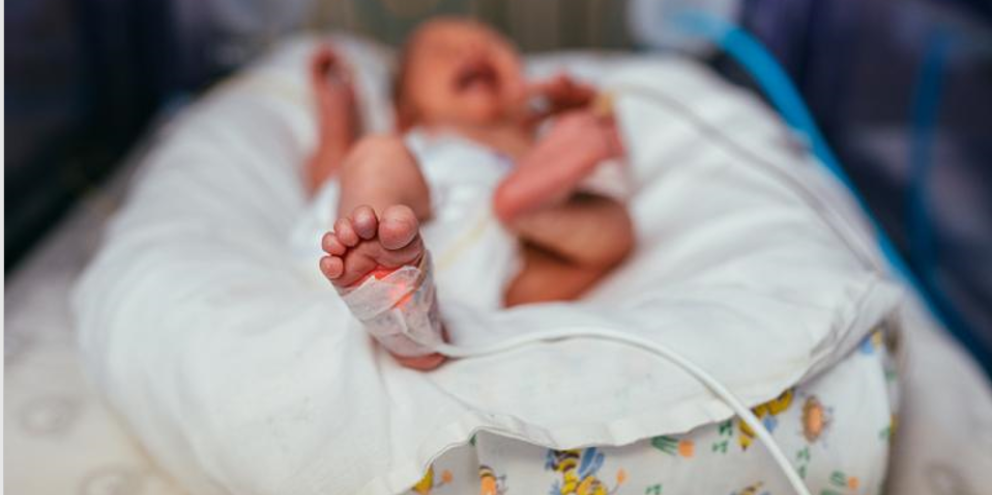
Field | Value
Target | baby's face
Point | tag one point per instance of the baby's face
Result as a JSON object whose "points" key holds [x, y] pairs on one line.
{"points": [[459, 72]]}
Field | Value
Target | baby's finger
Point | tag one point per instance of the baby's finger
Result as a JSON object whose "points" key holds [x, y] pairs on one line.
{"points": [[323, 60], [545, 87], [614, 141]]}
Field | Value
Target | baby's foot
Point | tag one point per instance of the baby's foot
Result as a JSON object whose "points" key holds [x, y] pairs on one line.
{"points": [[550, 173], [363, 245]]}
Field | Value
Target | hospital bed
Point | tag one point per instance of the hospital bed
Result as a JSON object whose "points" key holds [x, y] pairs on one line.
{"points": [[55, 421]]}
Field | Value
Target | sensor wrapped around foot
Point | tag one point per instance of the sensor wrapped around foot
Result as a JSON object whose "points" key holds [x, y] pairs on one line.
{"points": [[399, 309]]}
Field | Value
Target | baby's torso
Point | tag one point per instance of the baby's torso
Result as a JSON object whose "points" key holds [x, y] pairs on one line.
{"points": [[454, 164], [508, 139], [475, 257]]}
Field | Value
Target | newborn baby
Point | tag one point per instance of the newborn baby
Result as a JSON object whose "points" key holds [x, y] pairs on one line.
{"points": [[459, 77]]}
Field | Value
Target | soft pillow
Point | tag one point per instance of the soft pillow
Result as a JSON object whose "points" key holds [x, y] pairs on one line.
{"points": [[244, 374]]}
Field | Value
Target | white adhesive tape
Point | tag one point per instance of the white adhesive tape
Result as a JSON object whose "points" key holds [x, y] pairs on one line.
{"points": [[400, 309]]}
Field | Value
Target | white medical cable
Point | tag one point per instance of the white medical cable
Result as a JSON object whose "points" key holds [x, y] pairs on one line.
{"points": [[657, 349], [846, 233]]}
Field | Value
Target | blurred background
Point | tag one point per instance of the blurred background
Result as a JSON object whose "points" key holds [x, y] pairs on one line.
{"points": [[901, 88]]}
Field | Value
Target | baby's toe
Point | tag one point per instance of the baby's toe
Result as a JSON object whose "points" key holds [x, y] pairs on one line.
{"points": [[398, 227], [345, 232], [332, 267], [331, 245], [364, 221]]}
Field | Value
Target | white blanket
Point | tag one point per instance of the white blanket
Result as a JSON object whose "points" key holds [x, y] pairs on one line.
{"points": [[244, 373]]}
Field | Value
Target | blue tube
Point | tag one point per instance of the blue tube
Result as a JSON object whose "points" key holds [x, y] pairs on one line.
{"points": [[925, 112], [775, 83], [769, 75]]}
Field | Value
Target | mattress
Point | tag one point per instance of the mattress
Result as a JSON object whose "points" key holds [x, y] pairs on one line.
{"points": [[58, 434]]}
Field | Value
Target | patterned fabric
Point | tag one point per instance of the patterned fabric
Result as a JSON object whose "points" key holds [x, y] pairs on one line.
{"points": [[836, 430]]}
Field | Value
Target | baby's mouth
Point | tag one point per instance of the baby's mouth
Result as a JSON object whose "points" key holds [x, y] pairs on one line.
{"points": [[477, 75]]}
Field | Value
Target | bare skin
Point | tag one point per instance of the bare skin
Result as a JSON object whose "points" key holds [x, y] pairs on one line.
{"points": [[336, 113], [462, 77]]}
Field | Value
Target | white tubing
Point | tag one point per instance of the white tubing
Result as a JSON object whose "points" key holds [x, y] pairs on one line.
{"points": [[671, 356]]}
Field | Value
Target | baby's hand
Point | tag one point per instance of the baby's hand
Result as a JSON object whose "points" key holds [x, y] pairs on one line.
{"points": [[562, 94], [584, 132]]}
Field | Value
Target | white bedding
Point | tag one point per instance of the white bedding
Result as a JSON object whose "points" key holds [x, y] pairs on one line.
{"points": [[242, 374]]}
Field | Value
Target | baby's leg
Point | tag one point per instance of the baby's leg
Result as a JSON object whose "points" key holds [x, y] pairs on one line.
{"points": [[547, 277], [383, 199], [572, 246], [337, 116], [380, 172], [587, 230], [577, 238]]}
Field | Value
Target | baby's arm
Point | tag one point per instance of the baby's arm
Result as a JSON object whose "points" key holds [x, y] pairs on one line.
{"points": [[337, 116]]}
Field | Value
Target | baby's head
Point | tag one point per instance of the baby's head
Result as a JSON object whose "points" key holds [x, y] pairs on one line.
{"points": [[456, 71]]}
